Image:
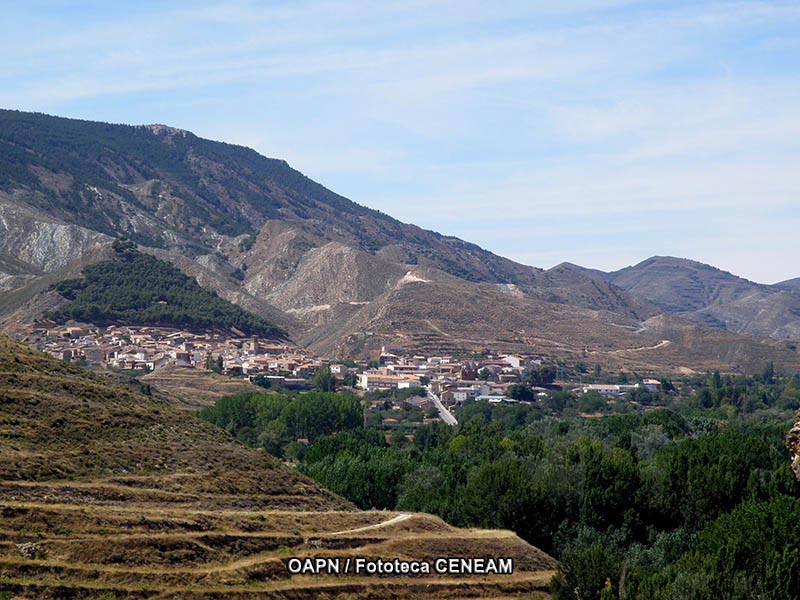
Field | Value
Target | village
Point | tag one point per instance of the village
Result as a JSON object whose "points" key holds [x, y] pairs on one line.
{"points": [[400, 387]]}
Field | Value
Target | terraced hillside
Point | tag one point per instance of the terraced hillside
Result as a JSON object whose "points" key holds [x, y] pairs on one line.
{"points": [[108, 493]]}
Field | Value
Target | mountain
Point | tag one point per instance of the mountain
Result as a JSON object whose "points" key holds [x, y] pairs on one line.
{"points": [[789, 283], [106, 492], [709, 296], [165, 187], [340, 278]]}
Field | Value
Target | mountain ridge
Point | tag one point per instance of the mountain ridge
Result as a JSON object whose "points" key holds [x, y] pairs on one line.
{"points": [[342, 278], [710, 296], [201, 183]]}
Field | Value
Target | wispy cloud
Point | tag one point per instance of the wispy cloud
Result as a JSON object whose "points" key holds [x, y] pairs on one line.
{"points": [[464, 116]]}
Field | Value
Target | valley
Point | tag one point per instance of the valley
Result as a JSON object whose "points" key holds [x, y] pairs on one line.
{"points": [[211, 365]]}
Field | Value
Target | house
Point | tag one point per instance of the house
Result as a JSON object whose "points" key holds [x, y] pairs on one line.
{"points": [[306, 369], [378, 381], [469, 371], [251, 345], [408, 383], [508, 377], [603, 389], [514, 361], [459, 395], [651, 385], [495, 399], [418, 401], [249, 367], [95, 355], [399, 369]]}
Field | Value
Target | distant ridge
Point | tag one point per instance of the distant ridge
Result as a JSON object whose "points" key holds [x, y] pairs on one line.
{"points": [[790, 283], [713, 297]]}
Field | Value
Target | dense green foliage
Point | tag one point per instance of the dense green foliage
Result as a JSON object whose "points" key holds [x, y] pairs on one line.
{"points": [[692, 500], [139, 289], [275, 422], [324, 380]]}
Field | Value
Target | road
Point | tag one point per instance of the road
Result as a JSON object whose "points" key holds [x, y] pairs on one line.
{"points": [[446, 415]]}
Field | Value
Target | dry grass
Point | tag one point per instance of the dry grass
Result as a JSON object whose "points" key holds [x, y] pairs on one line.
{"points": [[193, 389], [140, 549], [107, 493]]}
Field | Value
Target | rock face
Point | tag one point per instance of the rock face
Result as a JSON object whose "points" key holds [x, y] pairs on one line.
{"points": [[40, 244], [343, 278]]}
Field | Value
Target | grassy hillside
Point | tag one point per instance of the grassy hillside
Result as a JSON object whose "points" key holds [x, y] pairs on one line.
{"points": [[193, 389], [139, 289], [60, 423], [108, 493]]}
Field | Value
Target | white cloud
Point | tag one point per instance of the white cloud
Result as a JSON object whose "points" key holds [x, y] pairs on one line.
{"points": [[456, 114]]}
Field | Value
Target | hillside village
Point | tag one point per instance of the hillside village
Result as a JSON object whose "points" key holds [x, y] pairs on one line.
{"points": [[446, 379]]}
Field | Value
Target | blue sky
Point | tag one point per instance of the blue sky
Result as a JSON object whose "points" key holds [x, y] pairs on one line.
{"points": [[599, 132]]}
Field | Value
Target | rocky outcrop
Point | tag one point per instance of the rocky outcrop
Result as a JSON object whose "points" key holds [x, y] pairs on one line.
{"points": [[40, 244], [793, 446]]}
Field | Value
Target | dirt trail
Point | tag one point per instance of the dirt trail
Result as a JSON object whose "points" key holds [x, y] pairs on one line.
{"points": [[392, 521], [661, 344]]}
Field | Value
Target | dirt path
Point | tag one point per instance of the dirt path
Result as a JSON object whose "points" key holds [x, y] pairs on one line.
{"points": [[392, 521], [660, 344]]}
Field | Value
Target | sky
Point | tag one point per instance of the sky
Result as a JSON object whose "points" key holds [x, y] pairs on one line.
{"points": [[599, 132]]}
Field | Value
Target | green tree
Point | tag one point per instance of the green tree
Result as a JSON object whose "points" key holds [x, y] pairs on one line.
{"points": [[541, 376], [583, 572], [485, 374], [349, 379], [324, 380], [520, 392]]}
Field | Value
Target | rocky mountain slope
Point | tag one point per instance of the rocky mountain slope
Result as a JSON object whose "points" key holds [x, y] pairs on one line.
{"points": [[789, 283], [108, 493], [339, 277], [167, 188], [712, 297]]}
